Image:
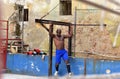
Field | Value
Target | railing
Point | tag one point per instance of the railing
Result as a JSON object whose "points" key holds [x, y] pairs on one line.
{"points": [[3, 41]]}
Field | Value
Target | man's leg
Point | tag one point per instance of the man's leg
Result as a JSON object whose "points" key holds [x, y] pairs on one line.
{"points": [[57, 69], [68, 66], [66, 59], [58, 60]]}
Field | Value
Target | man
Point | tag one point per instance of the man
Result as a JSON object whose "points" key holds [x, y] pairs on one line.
{"points": [[60, 50]]}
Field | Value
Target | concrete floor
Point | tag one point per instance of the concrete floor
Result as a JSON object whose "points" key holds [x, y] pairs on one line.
{"points": [[16, 76]]}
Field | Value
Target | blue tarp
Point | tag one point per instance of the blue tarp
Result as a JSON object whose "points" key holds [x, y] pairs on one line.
{"points": [[34, 65]]}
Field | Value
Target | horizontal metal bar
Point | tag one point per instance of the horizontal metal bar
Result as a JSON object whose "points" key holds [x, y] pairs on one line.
{"points": [[3, 21], [87, 9], [3, 29], [9, 39], [89, 24]]}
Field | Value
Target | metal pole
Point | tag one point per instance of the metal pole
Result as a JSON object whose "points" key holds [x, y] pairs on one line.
{"points": [[50, 55], [69, 44], [6, 45], [75, 29], [22, 30]]}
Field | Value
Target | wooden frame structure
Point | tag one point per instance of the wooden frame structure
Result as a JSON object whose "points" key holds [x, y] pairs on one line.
{"points": [[42, 22]]}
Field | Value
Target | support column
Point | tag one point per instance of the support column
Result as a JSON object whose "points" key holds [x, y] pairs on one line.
{"points": [[50, 55]]}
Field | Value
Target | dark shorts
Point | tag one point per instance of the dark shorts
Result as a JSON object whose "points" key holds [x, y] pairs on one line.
{"points": [[61, 54]]}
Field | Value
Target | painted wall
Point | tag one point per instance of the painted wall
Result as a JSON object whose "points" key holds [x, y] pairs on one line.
{"points": [[34, 65]]}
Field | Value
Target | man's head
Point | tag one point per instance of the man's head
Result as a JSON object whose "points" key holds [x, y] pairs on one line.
{"points": [[58, 32]]}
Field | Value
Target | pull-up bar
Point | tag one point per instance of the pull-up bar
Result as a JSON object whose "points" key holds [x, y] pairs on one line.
{"points": [[63, 23]]}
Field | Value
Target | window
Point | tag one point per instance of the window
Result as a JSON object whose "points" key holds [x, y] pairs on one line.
{"points": [[65, 7]]}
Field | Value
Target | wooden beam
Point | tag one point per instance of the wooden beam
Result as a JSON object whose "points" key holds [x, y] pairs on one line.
{"points": [[53, 22], [44, 27], [41, 21]]}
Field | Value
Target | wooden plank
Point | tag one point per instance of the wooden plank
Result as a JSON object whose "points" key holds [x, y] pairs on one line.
{"points": [[44, 27], [64, 23], [53, 22]]}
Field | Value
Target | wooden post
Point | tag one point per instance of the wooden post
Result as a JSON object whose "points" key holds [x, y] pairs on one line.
{"points": [[85, 69], [50, 55], [69, 44]]}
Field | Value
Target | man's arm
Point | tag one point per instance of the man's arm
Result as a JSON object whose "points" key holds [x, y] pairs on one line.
{"points": [[51, 31], [70, 34]]}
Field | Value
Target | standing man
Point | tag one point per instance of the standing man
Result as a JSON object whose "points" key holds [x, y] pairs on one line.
{"points": [[60, 50]]}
